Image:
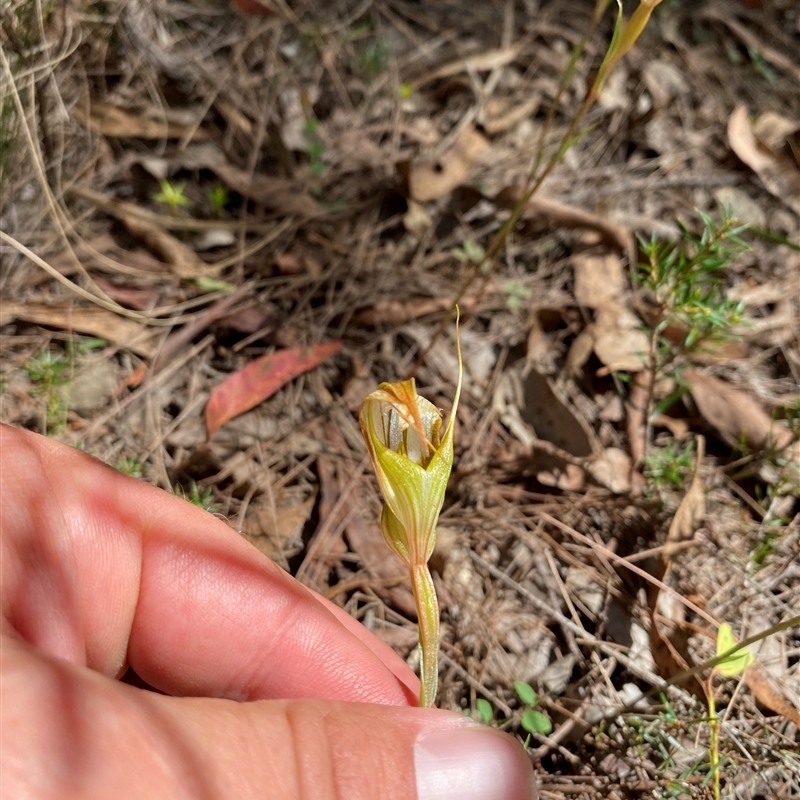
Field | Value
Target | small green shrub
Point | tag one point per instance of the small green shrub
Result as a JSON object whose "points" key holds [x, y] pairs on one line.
{"points": [[48, 372]]}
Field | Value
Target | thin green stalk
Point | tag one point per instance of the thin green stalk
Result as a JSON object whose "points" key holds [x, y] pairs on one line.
{"points": [[566, 78], [625, 36], [713, 746], [428, 615]]}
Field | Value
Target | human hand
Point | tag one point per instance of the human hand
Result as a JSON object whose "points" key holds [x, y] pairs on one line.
{"points": [[269, 690]]}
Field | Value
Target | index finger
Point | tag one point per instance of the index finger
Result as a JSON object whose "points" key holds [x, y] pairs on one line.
{"points": [[106, 571]]}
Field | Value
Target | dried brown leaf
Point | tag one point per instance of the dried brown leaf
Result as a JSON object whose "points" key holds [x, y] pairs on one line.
{"points": [[692, 508], [767, 691], [612, 469], [671, 654], [679, 428], [259, 379], [431, 179], [780, 177], [735, 415], [503, 114], [772, 129], [636, 409], [277, 194], [558, 214], [182, 260], [110, 120], [553, 417], [478, 62], [620, 342], [397, 312], [599, 280], [579, 353], [85, 319]]}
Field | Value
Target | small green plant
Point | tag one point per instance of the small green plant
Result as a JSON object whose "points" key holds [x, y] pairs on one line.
{"points": [[130, 465], [531, 718], [762, 66], [202, 498], [685, 282], [516, 294], [405, 91], [172, 195], [8, 141], [219, 197], [470, 252], [373, 58], [771, 535], [315, 147], [668, 466], [656, 734], [91, 344], [48, 372]]}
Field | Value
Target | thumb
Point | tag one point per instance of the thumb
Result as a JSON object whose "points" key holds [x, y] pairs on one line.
{"points": [[78, 734]]}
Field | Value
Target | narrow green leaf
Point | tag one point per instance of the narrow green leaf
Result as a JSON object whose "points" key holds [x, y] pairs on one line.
{"points": [[213, 285]]}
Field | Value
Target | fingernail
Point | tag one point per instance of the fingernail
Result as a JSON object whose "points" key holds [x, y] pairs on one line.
{"points": [[473, 763]]}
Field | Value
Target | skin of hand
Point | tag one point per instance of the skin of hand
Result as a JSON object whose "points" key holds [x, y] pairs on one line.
{"points": [[265, 689]]}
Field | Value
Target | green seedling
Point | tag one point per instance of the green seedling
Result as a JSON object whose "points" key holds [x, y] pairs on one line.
{"points": [[315, 147], [762, 66], [531, 718], [219, 197], [412, 458], [484, 710], [130, 465], [91, 344], [667, 467], [202, 498], [172, 195], [405, 91], [470, 252], [47, 373], [373, 59], [517, 293]]}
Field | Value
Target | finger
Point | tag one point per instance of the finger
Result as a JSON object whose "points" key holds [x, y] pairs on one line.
{"points": [[106, 571], [80, 735]]}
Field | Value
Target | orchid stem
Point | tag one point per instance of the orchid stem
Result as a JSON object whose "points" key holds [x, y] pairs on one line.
{"points": [[428, 615]]}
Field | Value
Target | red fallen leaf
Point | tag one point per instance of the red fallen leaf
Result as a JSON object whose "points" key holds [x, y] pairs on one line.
{"points": [[260, 379]]}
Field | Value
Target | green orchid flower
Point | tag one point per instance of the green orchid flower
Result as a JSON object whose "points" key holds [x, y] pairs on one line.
{"points": [[412, 459]]}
